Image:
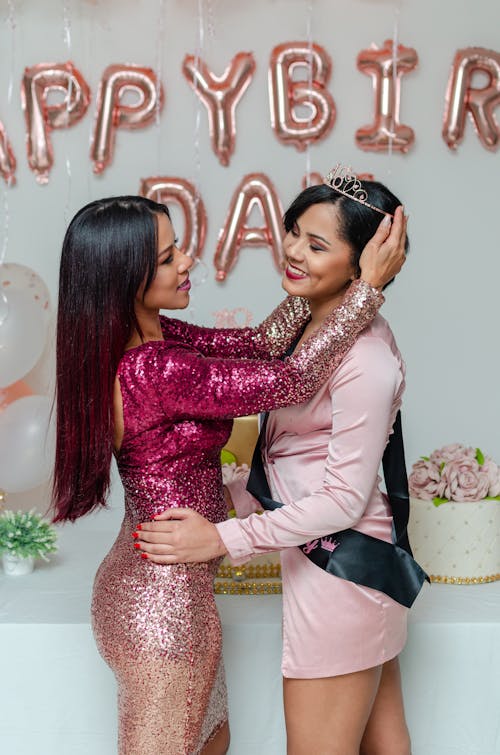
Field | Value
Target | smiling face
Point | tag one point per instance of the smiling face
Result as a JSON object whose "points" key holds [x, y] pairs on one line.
{"points": [[318, 261], [170, 287]]}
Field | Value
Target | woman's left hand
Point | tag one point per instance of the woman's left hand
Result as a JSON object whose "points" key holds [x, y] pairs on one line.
{"points": [[179, 536]]}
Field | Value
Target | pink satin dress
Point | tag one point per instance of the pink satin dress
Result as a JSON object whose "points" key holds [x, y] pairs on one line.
{"points": [[157, 626], [322, 460]]}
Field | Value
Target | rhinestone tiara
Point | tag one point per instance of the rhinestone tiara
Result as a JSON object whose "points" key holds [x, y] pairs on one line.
{"points": [[343, 180]]}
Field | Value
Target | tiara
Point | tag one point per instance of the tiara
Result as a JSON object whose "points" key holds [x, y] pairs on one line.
{"points": [[343, 180]]}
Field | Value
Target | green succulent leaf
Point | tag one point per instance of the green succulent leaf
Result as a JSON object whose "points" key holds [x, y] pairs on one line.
{"points": [[479, 456], [438, 501]]}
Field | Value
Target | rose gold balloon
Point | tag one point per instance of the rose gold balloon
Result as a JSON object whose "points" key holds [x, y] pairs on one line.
{"points": [[12, 392], [220, 95], [39, 82], [112, 113], [286, 95], [255, 189], [166, 190], [7, 158], [479, 102], [386, 66]]}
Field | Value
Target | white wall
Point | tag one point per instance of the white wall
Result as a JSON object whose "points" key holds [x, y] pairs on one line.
{"points": [[443, 308]]}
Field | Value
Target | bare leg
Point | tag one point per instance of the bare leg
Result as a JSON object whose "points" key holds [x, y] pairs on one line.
{"points": [[328, 716], [386, 732], [219, 744]]}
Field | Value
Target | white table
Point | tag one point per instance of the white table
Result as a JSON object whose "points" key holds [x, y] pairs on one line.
{"points": [[58, 697]]}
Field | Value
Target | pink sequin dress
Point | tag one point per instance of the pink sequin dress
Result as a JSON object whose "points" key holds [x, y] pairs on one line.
{"points": [[157, 626]]}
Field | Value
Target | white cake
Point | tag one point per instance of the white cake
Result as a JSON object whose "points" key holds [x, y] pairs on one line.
{"points": [[457, 543], [262, 574]]}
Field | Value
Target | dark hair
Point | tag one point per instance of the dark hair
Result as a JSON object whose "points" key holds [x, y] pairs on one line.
{"points": [[109, 250], [358, 222]]}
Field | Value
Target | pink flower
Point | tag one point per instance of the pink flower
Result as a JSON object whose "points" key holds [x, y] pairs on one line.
{"points": [[452, 452], [465, 480], [425, 480], [493, 472]]}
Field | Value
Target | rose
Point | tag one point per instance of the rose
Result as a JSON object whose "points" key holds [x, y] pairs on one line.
{"points": [[425, 480], [493, 472], [465, 480], [452, 452]]}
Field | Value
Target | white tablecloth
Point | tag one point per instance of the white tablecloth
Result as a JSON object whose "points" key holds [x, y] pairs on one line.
{"points": [[58, 697]]}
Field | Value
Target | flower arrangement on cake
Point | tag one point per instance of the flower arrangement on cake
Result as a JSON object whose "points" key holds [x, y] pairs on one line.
{"points": [[454, 525]]}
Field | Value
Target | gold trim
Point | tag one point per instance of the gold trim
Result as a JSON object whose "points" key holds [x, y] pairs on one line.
{"points": [[249, 571], [231, 587], [463, 580]]}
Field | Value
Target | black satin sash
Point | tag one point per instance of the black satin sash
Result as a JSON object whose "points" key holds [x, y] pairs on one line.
{"points": [[352, 555]]}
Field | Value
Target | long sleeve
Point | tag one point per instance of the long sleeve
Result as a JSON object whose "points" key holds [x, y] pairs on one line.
{"points": [[270, 339], [365, 393], [190, 386]]}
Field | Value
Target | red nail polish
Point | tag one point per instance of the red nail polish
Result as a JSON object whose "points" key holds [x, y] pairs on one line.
{"points": [[144, 555], [134, 534], [137, 545], [138, 527]]}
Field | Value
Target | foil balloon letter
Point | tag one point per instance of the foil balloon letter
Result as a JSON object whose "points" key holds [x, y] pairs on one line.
{"points": [[7, 159], [480, 102], [386, 66], [183, 193], [255, 189], [117, 83], [41, 83], [220, 95], [289, 97]]}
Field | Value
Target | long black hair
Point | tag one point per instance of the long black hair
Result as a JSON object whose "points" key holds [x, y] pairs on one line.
{"points": [[109, 251]]}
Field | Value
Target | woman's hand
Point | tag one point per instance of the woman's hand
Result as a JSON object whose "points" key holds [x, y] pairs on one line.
{"points": [[178, 536], [384, 255]]}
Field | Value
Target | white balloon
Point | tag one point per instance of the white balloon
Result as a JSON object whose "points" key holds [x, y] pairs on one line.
{"points": [[14, 277], [27, 443], [23, 332]]}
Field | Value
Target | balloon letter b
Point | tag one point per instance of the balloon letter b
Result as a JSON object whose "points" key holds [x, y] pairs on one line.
{"points": [[386, 66], [480, 102], [112, 113], [286, 94]]}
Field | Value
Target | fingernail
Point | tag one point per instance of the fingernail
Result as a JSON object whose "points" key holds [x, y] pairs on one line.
{"points": [[144, 555], [386, 220], [137, 545], [138, 527], [135, 534]]}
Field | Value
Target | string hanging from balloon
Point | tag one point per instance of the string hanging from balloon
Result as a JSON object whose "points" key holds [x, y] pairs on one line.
{"points": [[309, 14], [159, 74], [67, 42]]}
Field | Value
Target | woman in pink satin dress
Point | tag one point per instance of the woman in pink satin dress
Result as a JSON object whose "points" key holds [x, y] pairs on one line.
{"points": [[341, 639], [159, 395]]}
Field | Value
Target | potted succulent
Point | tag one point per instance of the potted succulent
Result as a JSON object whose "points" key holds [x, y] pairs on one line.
{"points": [[24, 536]]}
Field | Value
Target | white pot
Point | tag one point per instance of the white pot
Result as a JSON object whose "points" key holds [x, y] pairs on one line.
{"points": [[15, 566]]}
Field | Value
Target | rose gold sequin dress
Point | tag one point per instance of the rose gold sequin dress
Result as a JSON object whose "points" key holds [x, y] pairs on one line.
{"points": [[157, 626]]}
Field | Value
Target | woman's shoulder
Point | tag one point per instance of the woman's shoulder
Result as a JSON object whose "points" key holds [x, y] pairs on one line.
{"points": [[375, 352], [144, 361]]}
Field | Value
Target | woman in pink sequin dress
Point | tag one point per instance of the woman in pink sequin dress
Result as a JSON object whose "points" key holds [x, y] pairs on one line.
{"points": [[159, 395], [341, 638]]}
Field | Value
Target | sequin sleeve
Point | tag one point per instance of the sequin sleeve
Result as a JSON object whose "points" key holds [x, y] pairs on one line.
{"points": [[190, 385], [270, 339]]}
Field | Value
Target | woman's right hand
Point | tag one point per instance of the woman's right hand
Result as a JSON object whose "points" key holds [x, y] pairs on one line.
{"points": [[384, 255]]}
